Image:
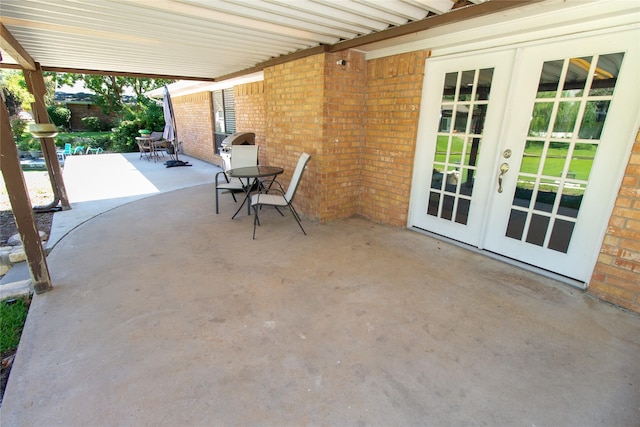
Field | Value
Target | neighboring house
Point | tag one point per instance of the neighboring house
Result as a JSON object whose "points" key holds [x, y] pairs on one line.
{"points": [[81, 109], [511, 135], [81, 106]]}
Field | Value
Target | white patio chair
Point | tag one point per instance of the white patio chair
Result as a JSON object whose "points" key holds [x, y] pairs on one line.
{"points": [[277, 197], [241, 156]]}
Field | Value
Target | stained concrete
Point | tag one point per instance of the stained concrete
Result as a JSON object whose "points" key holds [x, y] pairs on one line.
{"points": [[164, 313]]}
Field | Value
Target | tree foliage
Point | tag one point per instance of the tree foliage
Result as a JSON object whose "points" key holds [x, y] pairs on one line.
{"points": [[60, 116], [109, 89], [147, 114], [15, 90]]}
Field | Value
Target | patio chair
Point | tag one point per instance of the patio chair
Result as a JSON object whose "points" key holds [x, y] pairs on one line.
{"points": [[241, 156], [145, 149], [281, 198], [91, 150], [66, 152], [159, 144]]}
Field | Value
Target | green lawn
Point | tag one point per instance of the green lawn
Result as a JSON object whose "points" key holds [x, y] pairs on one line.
{"points": [[13, 313], [579, 167]]}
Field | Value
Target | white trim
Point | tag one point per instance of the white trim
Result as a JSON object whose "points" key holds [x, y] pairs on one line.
{"points": [[188, 87]]}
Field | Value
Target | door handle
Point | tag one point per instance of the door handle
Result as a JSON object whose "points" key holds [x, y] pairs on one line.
{"points": [[503, 169]]}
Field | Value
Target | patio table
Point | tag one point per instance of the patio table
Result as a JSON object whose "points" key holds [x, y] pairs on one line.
{"points": [[252, 174], [145, 143]]}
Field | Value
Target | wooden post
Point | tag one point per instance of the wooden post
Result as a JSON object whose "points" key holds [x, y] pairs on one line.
{"points": [[35, 84], [21, 205]]}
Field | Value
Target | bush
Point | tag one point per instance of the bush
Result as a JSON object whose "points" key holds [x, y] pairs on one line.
{"points": [[29, 144], [93, 124], [146, 115], [150, 116], [124, 137], [102, 141], [18, 127], [60, 116]]}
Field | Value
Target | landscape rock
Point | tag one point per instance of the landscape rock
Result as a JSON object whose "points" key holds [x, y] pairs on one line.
{"points": [[15, 240], [17, 254]]}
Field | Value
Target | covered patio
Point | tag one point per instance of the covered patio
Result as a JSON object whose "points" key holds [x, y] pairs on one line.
{"points": [[166, 314]]}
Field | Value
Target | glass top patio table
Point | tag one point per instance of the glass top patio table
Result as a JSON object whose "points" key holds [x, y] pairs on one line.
{"points": [[253, 173]]}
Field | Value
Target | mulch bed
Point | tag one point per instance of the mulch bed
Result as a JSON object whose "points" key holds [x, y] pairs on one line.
{"points": [[8, 224]]}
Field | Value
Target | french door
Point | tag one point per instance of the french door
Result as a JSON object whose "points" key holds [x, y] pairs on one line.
{"points": [[520, 152]]}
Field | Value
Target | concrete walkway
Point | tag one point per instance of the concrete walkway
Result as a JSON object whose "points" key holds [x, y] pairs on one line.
{"points": [[98, 183], [166, 314]]}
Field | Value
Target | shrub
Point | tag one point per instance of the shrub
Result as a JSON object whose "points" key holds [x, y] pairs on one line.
{"points": [[29, 144], [102, 141], [60, 116], [124, 137], [18, 127], [93, 124], [146, 114]]}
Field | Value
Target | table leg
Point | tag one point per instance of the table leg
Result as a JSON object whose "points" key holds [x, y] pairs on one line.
{"points": [[247, 198]]}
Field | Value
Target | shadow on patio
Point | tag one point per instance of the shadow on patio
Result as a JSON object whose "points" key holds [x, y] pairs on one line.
{"points": [[164, 313]]}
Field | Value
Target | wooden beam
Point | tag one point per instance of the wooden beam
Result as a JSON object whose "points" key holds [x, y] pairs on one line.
{"points": [[35, 84], [11, 46], [112, 73], [21, 206]]}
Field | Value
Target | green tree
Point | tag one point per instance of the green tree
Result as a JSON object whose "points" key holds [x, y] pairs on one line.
{"points": [[15, 91], [109, 89], [59, 115]]}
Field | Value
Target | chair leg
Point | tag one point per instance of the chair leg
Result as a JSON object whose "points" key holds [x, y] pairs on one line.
{"points": [[255, 221], [297, 218], [216, 201]]}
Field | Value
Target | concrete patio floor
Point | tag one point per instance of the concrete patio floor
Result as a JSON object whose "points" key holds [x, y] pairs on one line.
{"points": [[164, 313]]}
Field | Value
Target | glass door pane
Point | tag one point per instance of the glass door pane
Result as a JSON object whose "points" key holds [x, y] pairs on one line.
{"points": [[567, 119], [463, 109]]}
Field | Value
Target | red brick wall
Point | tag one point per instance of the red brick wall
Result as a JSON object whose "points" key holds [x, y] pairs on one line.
{"points": [[316, 106], [194, 118], [393, 95], [343, 133], [617, 274], [358, 121], [251, 114], [294, 107]]}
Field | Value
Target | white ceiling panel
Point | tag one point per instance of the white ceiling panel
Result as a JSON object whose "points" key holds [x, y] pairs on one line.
{"points": [[199, 39]]}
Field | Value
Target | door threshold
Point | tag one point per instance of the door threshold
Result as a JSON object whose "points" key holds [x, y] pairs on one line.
{"points": [[523, 265]]}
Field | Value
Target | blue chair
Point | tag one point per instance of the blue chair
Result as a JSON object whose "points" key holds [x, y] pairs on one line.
{"points": [[67, 150]]}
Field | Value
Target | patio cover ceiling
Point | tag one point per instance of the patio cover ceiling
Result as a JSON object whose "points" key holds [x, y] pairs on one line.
{"points": [[208, 40]]}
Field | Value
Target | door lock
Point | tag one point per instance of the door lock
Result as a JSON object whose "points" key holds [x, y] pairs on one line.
{"points": [[504, 168]]}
